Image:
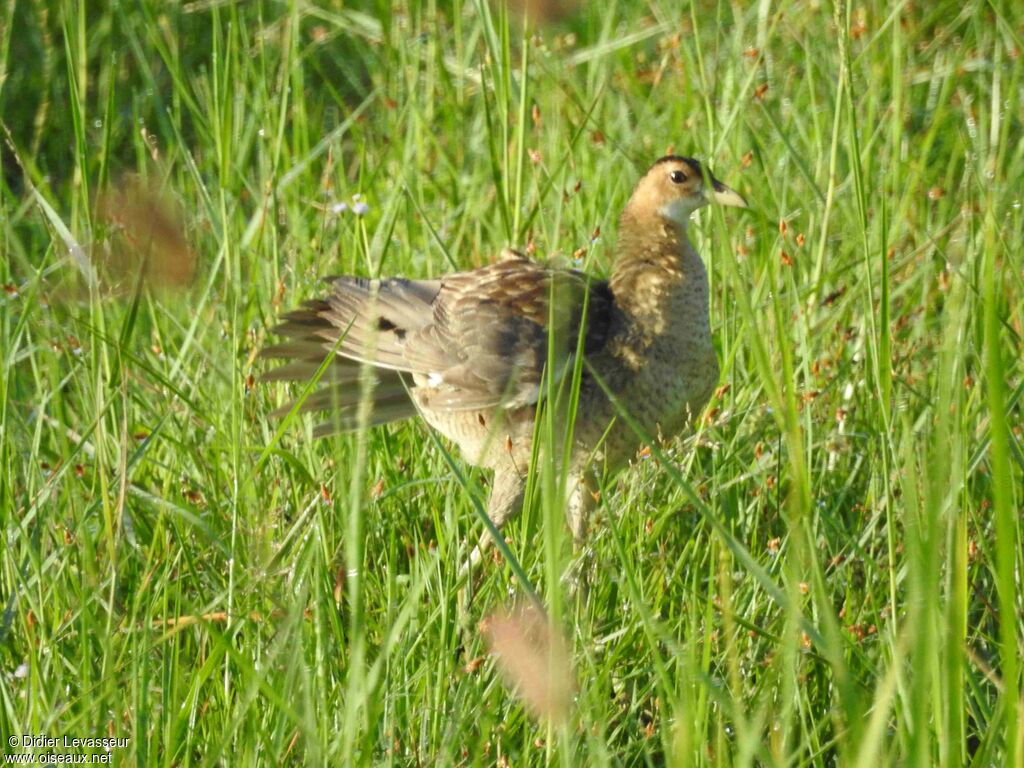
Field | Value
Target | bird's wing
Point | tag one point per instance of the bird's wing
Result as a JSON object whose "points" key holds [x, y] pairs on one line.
{"points": [[471, 340], [488, 342]]}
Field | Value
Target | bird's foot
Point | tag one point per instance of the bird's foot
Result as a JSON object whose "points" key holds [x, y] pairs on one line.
{"points": [[470, 577], [580, 573]]}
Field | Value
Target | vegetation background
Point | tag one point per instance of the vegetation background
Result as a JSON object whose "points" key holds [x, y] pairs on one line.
{"points": [[827, 572]]}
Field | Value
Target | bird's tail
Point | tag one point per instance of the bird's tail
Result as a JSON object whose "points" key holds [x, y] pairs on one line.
{"points": [[345, 384]]}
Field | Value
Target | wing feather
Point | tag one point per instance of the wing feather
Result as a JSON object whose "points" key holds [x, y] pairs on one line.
{"points": [[472, 340]]}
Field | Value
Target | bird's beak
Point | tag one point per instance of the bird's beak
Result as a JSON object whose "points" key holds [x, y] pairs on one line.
{"points": [[723, 195]]}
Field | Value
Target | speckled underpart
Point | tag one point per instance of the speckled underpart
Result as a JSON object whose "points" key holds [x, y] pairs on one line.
{"points": [[661, 355], [468, 352]]}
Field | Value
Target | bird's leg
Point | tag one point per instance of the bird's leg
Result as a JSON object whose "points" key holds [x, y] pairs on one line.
{"points": [[504, 503], [581, 501], [579, 506]]}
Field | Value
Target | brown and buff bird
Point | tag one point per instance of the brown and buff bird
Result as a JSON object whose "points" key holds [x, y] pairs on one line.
{"points": [[468, 351]]}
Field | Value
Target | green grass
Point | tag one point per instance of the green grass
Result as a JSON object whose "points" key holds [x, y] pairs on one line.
{"points": [[827, 572]]}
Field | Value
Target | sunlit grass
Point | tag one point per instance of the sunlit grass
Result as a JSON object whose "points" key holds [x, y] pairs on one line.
{"points": [[826, 571]]}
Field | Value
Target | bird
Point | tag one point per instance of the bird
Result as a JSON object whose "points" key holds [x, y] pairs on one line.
{"points": [[474, 353]]}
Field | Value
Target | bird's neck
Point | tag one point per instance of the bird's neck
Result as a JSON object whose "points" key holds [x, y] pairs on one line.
{"points": [[659, 282]]}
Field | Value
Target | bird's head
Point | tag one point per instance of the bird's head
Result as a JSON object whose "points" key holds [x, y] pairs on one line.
{"points": [[675, 187]]}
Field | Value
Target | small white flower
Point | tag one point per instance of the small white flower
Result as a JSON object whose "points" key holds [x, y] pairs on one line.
{"points": [[21, 671], [360, 208], [339, 208]]}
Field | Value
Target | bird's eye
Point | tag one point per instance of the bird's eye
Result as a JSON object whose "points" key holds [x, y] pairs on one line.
{"points": [[678, 177]]}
